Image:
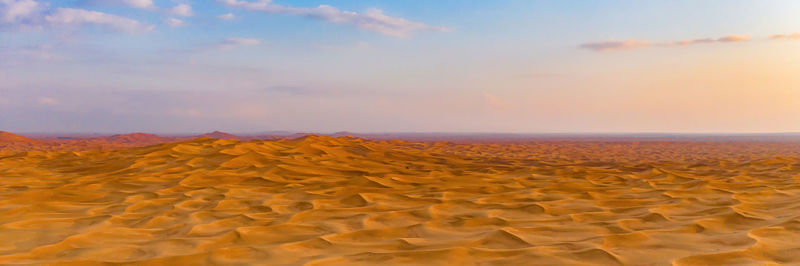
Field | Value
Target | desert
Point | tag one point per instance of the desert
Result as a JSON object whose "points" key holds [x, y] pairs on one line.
{"points": [[321, 200], [414, 132]]}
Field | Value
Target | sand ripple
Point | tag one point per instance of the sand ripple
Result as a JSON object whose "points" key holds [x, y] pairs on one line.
{"points": [[322, 200]]}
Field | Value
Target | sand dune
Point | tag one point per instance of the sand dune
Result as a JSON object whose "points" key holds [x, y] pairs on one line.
{"points": [[332, 201], [9, 137]]}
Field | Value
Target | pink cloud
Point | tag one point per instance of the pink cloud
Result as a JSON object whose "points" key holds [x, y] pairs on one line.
{"points": [[734, 38], [790, 36], [688, 42], [615, 45], [635, 44]]}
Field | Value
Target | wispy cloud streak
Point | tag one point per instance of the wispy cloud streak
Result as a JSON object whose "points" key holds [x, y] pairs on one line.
{"points": [[631, 44], [372, 19], [27, 14], [78, 17], [790, 36], [615, 45], [231, 43]]}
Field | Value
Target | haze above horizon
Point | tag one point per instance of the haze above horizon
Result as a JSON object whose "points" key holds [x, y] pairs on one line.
{"points": [[576, 67]]}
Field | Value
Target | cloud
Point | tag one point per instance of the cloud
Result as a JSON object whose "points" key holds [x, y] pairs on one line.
{"points": [[791, 36], [79, 17], [182, 10], [615, 45], [143, 4], [14, 11], [229, 16], [231, 43], [688, 42], [30, 14], [635, 44], [174, 22], [257, 5], [734, 38], [372, 19]]}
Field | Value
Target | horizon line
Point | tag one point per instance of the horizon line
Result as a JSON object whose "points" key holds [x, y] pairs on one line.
{"points": [[562, 133]]}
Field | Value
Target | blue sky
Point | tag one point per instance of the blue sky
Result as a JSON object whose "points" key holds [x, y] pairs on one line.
{"points": [[172, 66]]}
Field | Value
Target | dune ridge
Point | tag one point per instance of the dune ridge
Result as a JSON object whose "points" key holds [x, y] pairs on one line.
{"points": [[321, 200], [11, 137]]}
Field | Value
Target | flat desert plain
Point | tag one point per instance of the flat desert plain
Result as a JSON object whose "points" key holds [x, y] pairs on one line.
{"points": [[349, 201]]}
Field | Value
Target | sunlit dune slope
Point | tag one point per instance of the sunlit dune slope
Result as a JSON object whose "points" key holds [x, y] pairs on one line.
{"points": [[11, 137], [11, 141], [348, 201]]}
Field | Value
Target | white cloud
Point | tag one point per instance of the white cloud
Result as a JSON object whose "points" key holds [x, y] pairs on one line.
{"points": [[372, 19], [229, 16], [174, 22], [30, 14], [236, 42], [256, 5], [182, 10], [78, 17], [143, 4], [19, 10]]}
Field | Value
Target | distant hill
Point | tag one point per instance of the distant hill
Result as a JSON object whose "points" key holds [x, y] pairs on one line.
{"points": [[11, 137], [143, 138], [220, 135]]}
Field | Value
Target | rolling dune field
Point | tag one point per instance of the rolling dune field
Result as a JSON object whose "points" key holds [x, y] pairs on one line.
{"points": [[350, 201]]}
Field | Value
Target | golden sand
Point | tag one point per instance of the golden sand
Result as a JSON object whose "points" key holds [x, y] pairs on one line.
{"points": [[347, 201]]}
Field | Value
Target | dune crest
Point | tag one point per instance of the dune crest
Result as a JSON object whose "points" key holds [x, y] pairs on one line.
{"points": [[322, 200], [11, 137]]}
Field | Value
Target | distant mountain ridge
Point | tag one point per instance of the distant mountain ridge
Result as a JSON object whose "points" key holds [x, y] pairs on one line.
{"points": [[137, 137], [141, 139], [220, 135]]}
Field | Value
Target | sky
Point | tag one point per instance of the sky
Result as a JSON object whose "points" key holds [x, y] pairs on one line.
{"points": [[527, 66]]}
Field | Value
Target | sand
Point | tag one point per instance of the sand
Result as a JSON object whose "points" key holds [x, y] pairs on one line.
{"points": [[348, 201]]}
